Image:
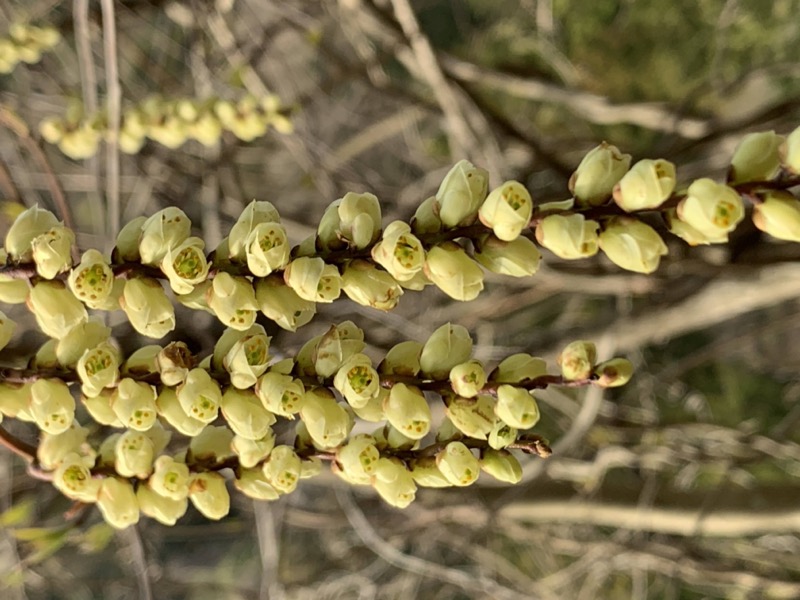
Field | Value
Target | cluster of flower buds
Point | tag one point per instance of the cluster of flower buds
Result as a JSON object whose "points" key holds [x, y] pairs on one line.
{"points": [[170, 122], [235, 404], [25, 43]]}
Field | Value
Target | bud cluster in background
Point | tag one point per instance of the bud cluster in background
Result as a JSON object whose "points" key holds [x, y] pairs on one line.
{"points": [[25, 43]]}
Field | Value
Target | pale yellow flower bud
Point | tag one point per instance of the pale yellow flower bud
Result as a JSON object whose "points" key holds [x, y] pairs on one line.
{"points": [[458, 464], [253, 484], [45, 357], [127, 248], [13, 291], [369, 286], [255, 213], [569, 237], [577, 360], [516, 407], [403, 359], [56, 309], [518, 258], [280, 394], [468, 378], [15, 399], [426, 474], [147, 307], [160, 437], [310, 467], [647, 185], [394, 483], [338, 344], [7, 327], [267, 249], [200, 396], [507, 210], [449, 267], [282, 469], [790, 152], [447, 347], [166, 229], [247, 358], [778, 215], [461, 194], [712, 209], [117, 503], [92, 280], [357, 380], [134, 453], [170, 408], [328, 423], [185, 265], [614, 372], [233, 300], [74, 479], [396, 439], [313, 280], [53, 449], [170, 478], [142, 361], [357, 459], [79, 339], [134, 404], [632, 245], [51, 405], [52, 128], [399, 252], [598, 172], [689, 234], [165, 510], [474, 417], [352, 221], [372, 411], [281, 303], [502, 465], [252, 452], [426, 218], [518, 367], [29, 225], [212, 445], [209, 495], [99, 408], [502, 435], [52, 251], [756, 158], [98, 368], [408, 411], [245, 414]]}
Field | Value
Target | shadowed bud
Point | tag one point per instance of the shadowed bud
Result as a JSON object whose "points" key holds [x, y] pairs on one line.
{"points": [[711, 208], [756, 158], [394, 483], [632, 245], [166, 229], [790, 152], [458, 464], [426, 474], [450, 269], [472, 417], [134, 454], [54, 449], [281, 303], [779, 216], [253, 484], [7, 327], [56, 309], [461, 194], [519, 258], [647, 185], [117, 503], [597, 174], [569, 237], [173, 363], [448, 346], [328, 423], [134, 404], [426, 218], [212, 445], [516, 407], [200, 396], [127, 248], [614, 372], [30, 224], [502, 465], [507, 210], [577, 360], [518, 367], [165, 510], [399, 252], [209, 495], [99, 408]]}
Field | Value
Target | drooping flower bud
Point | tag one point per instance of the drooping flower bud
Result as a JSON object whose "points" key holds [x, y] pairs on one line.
{"points": [[74, 479], [357, 459], [369, 286], [248, 357], [134, 404], [147, 307], [394, 483], [56, 309], [170, 408], [408, 411], [689, 234], [450, 269], [338, 344], [233, 300], [209, 495], [352, 221], [245, 414], [99, 408], [647, 185], [163, 231], [134, 453], [756, 158], [426, 218], [267, 249], [313, 280], [402, 359], [458, 464], [142, 361], [30, 224], [15, 399], [518, 258], [127, 247], [54, 449], [577, 360], [281, 303], [12, 291], [200, 396], [516, 407], [98, 368], [448, 346], [569, 237], [502, 435], [461, 194], [328, 423], [51, 405], [357, 380], [778, 215], [212, 445], [117, 503], [474, 417], [252, 452], [52, 251], [614, 372], [632, 245], [282, 469], [372, 411], [426, 474], [170, 478], [399, 252], [711, 208], [468, 378], [255, 213], [92, 280], [790, 152], [507, 210], [518, 367], [253, 484], [165, 510], [502, 465], [185, 265], [597, 174], [280, 394]]}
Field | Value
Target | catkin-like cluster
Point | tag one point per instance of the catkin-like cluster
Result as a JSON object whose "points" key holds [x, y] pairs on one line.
{"points": [[25, 43]]}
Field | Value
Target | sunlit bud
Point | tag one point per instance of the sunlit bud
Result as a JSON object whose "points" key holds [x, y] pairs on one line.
{"points": [[790, 152], [170, 478], [7, 327], [399, 252], [117, 503], [518, 367], [209, 495], [54, 449], [632, 245], [458, 464], [129, 141], [267, 249], [402, 359], [142, 361], [360, 219], [568, 237], [127, 248], [51, 405], [426, 474], [165, 510], [647, 185], [449, 267], [507, 210], [212, 445], [98, 368], [778, 215], [369, 286], [245, 414], [56, 309], [502, 465], [185, 265], [357, 459], [328, 423], [474, 417], [79, 339], [52, 251], [197, 299], [357, 381], [99, 408], [516, 407], [502, 435], [408, 411], [30, 224], [170, 408], [282, 469], [15, 399], [448, 346], [166, 229], [253, 484], [134, 453], [281, 303], [13, 291], [199, 396], [252, 452], [461, 193], [147, 307], [519, 258], [372, 411], [134, 404], [614, 372], [280, 394], [92, 280], [598, 172], [244, 354], [426, 218], [711, 208], [689, 234], [255, 213], [313, 280], [233, 300], [756, 158], [338, 344], [74, 479], [394, 483], [577, 360], [468, 378]]}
